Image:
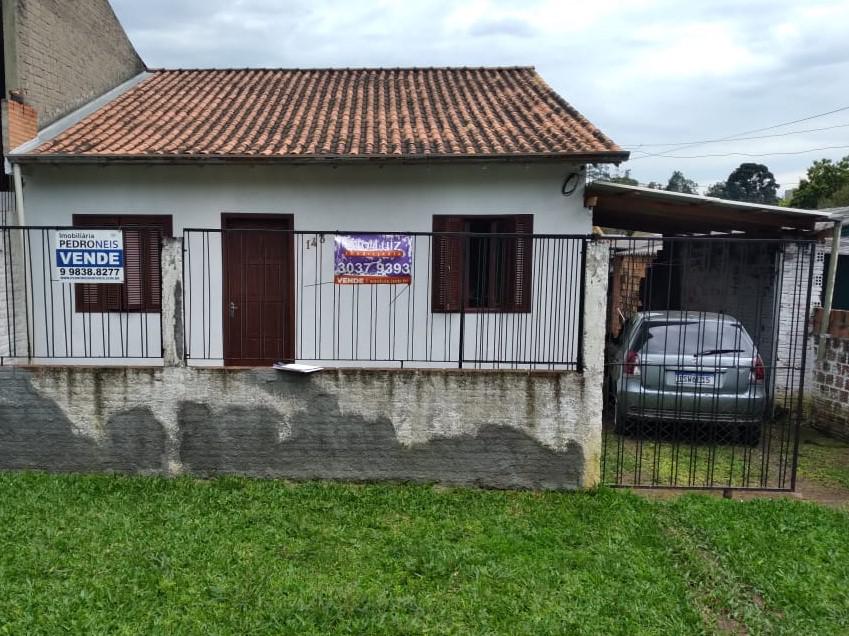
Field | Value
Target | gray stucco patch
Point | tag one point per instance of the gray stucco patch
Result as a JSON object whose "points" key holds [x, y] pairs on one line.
{"points": [[496, 429], [36, 433], [324, 444]]}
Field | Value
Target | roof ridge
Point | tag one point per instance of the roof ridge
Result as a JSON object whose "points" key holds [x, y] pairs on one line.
{"points": [[342, 68]]}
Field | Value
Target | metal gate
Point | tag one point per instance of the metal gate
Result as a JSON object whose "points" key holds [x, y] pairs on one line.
{"points": [[707, 345]]}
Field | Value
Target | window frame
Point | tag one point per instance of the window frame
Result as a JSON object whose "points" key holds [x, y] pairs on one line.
{"points": [[452, 295], [114, 297]]}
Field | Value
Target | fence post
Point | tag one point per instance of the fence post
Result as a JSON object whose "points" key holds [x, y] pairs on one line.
{"points": [[594, 296], [171, 258], [464, 290]]}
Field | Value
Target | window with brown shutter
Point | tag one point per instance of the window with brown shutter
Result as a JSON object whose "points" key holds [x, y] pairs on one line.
{"points": [[495, 271], [142, 288]]}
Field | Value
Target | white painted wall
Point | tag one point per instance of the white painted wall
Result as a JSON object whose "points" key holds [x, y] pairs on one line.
{"points": [[383, 322]]}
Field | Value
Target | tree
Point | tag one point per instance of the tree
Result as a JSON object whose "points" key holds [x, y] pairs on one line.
{"points": [[717, 190], [825, 179], [602, 173], [751, 182], [679, 183], [838, 199], [654, 185]]}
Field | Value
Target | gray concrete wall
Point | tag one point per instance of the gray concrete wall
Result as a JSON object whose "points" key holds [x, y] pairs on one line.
{"points": [[496, 429], [62, 54]]}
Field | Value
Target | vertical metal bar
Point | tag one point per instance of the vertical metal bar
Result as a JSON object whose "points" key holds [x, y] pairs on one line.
{"points": [[28, 296], [581, 294], [799, 409], [185, 355], [464, 290]]}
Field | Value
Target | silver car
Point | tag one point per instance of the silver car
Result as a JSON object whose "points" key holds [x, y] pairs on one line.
{"points": [[694, 367]]}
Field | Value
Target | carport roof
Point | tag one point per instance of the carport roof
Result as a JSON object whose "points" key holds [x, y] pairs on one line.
{"points": [[628, 207]]}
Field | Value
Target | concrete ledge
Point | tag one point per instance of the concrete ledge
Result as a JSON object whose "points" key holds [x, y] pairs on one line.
{"points": [[502, 429]]}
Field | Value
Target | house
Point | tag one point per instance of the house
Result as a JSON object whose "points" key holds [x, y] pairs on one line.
{"points": [[381, 150], [430, 221]]}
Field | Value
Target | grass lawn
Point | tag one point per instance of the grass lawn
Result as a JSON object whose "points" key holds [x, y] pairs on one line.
{"points": [[823, 459], [653, 459], [137, 555]]}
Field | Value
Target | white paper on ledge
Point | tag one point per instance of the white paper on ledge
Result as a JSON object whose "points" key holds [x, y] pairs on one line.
{"points": [[295, 368]]}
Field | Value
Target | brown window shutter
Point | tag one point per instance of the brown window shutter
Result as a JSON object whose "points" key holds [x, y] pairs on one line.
{"points": [[96, 298], [447, 287], [521, 264], [142, 288]]}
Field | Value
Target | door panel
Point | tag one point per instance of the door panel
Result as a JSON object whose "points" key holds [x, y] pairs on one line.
{"points": [[259, 289]]}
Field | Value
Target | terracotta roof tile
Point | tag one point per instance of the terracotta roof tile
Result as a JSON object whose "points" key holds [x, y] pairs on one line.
{"points": [[337, 113]]}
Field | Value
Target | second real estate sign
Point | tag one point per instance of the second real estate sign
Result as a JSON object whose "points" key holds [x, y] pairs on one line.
{"points": [[89, 256], [368, 259]]}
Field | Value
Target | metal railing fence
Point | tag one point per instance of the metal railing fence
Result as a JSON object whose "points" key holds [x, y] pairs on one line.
{"points": [[477, 300], [706, 363], [44, 319]]}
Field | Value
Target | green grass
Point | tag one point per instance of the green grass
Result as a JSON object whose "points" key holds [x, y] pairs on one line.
{"points": [[652, 457], [655, 460], [824, 459], [133, 555]]}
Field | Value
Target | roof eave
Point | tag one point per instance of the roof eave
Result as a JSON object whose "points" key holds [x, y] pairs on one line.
{"points": [[612, 156]]}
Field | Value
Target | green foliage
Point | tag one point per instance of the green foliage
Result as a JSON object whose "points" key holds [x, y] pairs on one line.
{"points": [[603, 173], [679, 183], [753, 183], [750, 182], [717, 190], [130, 555], [826, 183], [839, 198]]}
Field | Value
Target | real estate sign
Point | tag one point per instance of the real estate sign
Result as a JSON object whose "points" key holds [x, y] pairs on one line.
{"points": [[89, 256], [368, 259]]}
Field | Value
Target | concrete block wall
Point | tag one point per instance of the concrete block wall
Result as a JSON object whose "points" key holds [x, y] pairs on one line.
{"points": [[61, 54], [792, 319], [502, 429], [829, 402]]}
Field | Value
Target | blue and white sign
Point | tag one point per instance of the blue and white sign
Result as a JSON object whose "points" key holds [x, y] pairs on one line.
{"points": [[89, 256]]}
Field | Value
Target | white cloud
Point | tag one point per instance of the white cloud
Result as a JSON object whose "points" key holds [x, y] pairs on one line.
{"points": [[642, 70]]}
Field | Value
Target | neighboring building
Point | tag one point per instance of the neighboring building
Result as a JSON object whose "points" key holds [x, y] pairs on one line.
{"points": [[59, 55]]}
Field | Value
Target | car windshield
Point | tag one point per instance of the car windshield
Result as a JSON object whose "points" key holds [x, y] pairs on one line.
{"points": [[695, 338]]}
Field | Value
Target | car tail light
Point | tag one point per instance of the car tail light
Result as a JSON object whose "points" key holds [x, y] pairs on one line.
{"points": [[632, 363], [758, 370]]}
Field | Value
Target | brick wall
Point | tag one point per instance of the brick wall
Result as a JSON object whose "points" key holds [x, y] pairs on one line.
{"points": [[830, 390], [20, 123], [62, 54]]}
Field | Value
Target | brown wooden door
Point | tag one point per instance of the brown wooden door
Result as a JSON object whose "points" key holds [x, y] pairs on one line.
{"points": [[259, 289]]}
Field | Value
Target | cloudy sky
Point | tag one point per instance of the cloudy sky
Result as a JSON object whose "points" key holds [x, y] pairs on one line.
{"points": [[645, 71]]}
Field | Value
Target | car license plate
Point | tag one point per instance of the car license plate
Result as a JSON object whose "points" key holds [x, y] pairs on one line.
{"points": [[693, 378]]}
